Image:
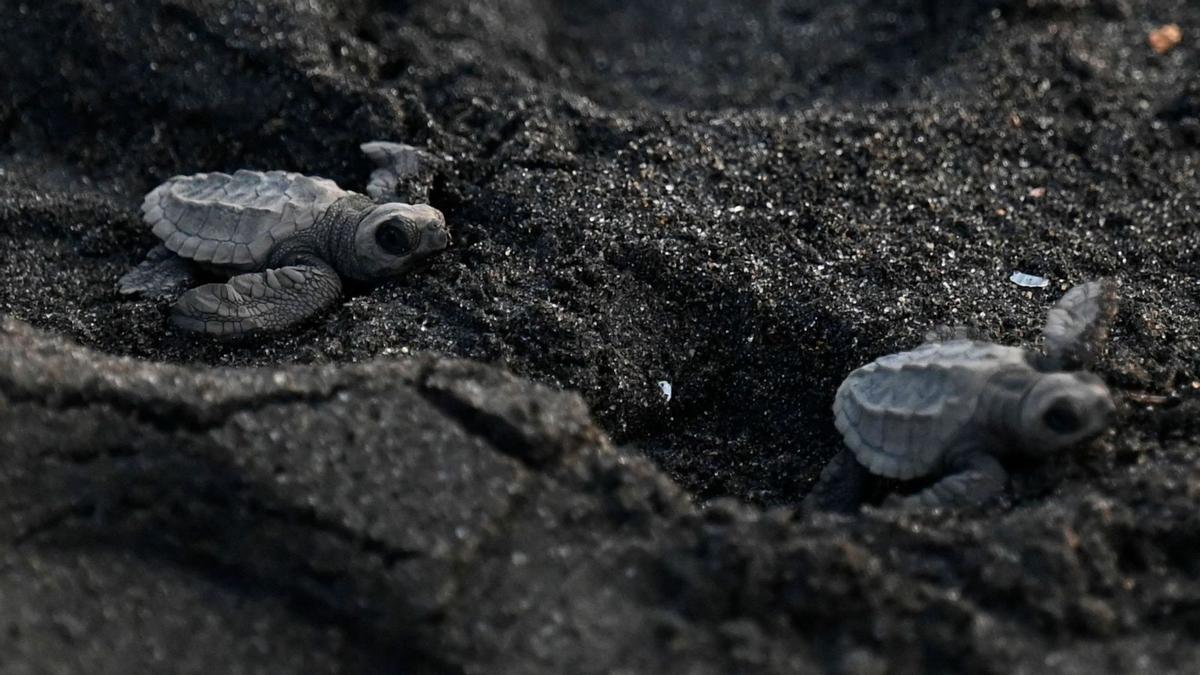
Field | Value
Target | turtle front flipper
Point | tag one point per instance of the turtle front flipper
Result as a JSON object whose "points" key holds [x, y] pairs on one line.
{"points": [[402, 174], [1078, 323], [258, 301], [840, 487], [161, 273], [973, 479]]}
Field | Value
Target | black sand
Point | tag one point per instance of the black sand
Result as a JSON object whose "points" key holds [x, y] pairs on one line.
{"points": [[744, 199]]}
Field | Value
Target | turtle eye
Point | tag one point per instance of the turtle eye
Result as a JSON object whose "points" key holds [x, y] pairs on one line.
{"points": [[394, 237], [1061, 418]]}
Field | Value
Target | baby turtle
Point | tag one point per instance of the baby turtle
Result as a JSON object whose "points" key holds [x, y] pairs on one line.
{"points": [[950, 410], [287, 241]]}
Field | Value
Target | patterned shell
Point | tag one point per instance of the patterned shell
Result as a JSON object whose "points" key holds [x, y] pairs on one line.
{"points": [[900, 414], [235, 221]]}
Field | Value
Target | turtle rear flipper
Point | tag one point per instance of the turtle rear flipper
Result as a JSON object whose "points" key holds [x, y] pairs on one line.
{"points": [[1077, 325], [402, 175], [161, 273], [974, 478], [841, 486], [258, 301]]}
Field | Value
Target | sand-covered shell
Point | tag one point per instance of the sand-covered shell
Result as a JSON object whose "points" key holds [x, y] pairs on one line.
{"points": [[902, 412], [235, 221]]}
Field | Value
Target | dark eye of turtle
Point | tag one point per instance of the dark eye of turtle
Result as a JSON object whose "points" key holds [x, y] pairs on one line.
{"points": [[394, 238], [1061, 418]]}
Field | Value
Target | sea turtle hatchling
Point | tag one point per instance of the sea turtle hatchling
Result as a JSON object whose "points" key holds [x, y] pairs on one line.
{"points": [[949, 410], [287, 240]]}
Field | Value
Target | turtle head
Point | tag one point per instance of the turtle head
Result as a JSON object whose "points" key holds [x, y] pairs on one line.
{"points": [[392, 238], [1062, 409]]}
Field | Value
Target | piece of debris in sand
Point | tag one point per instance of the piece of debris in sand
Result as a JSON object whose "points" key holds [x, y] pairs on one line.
{"points": [[953, 411], [665, 388], [1165, 38], [1029, 280]]}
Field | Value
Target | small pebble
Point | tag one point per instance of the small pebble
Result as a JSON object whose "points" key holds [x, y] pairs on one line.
{"points": [[1029, 280], [1165, 38]]}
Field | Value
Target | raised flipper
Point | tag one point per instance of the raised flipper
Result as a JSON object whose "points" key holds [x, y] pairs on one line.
{"points": [[975, 478], [161, 273], [403, 173], [1077, 325], [258, 301], [840, 487]]}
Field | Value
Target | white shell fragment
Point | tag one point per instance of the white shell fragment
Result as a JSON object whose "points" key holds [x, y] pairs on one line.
{"points": [[1029, 280], [665, 388]]}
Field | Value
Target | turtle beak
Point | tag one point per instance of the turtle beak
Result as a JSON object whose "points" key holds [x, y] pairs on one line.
{"points": [[1110, 410], [438, 237], [435, 236]]}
